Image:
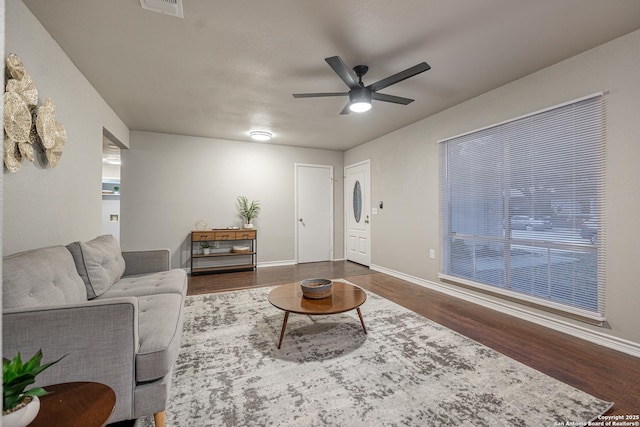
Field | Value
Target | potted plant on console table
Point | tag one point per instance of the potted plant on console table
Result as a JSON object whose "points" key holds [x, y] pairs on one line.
{"points": [[248, 211], [206, 248], [20, 407]]}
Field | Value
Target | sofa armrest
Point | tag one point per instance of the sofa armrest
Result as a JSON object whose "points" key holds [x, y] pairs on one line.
{"points": [[100, 339], [148, 261]]}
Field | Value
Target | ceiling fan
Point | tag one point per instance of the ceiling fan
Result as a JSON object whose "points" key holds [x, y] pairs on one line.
{"points": [[360, 96]]}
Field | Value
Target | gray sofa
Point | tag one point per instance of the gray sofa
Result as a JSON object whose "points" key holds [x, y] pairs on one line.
{"points": [[116, 315]]}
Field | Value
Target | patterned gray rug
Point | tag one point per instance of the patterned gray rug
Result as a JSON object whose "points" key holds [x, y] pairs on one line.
{"points": [[408, 371]]}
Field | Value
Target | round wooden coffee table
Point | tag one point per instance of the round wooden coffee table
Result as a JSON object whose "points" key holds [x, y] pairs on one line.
{"points": [[344, 297]]}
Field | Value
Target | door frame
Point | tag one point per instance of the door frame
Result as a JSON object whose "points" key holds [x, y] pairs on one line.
{"points": [[348, 200], [296, 166]]}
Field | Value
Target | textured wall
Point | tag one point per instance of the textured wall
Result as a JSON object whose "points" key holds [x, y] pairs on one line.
{"points": [[169, 182], [405, 168], [56, 206]]}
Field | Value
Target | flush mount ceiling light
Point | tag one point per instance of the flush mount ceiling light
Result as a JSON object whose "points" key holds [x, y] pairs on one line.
{"points": [[260, 135]]}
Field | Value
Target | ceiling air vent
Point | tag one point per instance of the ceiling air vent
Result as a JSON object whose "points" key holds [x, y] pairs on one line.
{"points": [[167, 7]]}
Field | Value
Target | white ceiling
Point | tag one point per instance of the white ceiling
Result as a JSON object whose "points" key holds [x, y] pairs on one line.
{"points": [[230, 67]]}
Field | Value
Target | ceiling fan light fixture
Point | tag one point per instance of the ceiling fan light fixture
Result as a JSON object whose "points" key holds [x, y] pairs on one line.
{"points": [[360, 107], [260, 135], [360, 96], [360, 100]]}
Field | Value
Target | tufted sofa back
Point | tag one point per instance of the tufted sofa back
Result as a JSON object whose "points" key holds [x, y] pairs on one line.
{"points": [[99, 263], [41, 277]]}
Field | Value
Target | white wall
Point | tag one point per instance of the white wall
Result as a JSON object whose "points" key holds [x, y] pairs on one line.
{"points": [[110, 208], [405, 170], [56, 206], [110, 172], [170, 182]]}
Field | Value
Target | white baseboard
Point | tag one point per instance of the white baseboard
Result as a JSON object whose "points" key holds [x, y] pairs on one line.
{"points": [[285, 262], [277, 263], [606, 340]]}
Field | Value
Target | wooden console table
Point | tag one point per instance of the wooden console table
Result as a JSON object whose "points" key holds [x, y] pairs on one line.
{"points": [[222, 257], [78, 404]]}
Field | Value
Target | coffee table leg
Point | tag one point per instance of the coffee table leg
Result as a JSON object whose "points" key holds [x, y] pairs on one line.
{"points": [[361, 321], [284, 326]]}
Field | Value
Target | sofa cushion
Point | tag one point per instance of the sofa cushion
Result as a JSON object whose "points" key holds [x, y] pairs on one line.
{"points": [[41, 277], [159, 333], [163, 282], [99, 263]]}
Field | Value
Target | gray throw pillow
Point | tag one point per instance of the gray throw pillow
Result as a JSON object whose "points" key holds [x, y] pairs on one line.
{"points": [[41, 277], [99, 263]]}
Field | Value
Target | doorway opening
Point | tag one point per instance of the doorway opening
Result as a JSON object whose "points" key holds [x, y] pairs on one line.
{"points": [[111, 163]]}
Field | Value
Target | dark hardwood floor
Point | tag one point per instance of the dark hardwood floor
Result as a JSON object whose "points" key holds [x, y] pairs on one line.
{"points": [[269, 276], [599, 371]]}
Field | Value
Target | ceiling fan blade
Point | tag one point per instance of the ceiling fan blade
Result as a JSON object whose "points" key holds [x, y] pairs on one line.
{"points": [[391, 98], [343, 71], [346, 109], [318, 95], [398, 77]]}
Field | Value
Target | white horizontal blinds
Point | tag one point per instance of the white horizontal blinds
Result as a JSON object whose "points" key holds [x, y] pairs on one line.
{"points": [[522, 207], [476, 206]]}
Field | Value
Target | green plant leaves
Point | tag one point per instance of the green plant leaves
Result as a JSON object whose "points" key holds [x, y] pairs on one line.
{"points": [[248, 210], [16, 376]]}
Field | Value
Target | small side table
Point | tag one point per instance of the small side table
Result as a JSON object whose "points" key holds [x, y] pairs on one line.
{"points": [[77, 404]]}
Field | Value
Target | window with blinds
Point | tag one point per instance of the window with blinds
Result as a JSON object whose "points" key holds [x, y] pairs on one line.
{"points": [[522, 208]]}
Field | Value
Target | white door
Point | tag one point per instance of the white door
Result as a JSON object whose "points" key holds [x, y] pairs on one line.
{"points": [[358, 212], [314, 212]]}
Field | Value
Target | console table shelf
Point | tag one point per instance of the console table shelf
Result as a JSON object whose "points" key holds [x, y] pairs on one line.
{"points": [[235, 267], [223, 254], [222, 258]]}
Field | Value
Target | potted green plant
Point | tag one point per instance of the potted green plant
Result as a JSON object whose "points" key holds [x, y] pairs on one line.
{"points": [[206, 248], [20, 406], [248, 211]]}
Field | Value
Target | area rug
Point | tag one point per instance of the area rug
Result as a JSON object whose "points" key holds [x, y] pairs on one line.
{"points": [[407, 371]]}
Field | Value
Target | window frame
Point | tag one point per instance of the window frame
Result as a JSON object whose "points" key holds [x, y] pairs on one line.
{"points": [[448, 236]]}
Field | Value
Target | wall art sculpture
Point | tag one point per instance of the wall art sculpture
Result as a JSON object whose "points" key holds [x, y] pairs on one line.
{"points": [[28, 129]]}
